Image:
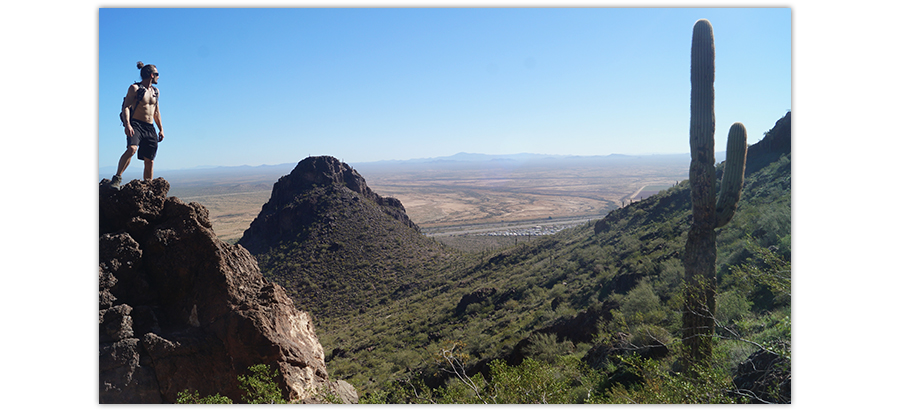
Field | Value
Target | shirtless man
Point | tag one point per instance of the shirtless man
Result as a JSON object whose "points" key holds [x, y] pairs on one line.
{"points": [[139, 131]]}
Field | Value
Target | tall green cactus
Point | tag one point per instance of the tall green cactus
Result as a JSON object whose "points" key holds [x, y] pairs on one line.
{"points": [[700, 250]]}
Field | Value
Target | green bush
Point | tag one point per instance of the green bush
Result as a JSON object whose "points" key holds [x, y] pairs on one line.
{"points": [[730, 307], [545, 348], [641, 305], [260, 387], [185, 397], [531, 382], [646, 336], [660, 385]]}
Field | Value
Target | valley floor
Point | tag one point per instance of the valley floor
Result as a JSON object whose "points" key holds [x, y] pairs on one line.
{"points": [[453, 202]]}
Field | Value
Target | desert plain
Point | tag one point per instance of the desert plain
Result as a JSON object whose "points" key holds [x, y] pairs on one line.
{"points": [[455, 198]]}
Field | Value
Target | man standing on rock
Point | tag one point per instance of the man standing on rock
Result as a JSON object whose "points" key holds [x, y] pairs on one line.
{"points": [[141, 109]]}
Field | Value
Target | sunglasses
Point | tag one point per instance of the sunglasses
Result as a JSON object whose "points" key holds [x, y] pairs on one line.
{"points": [[155, 74]]}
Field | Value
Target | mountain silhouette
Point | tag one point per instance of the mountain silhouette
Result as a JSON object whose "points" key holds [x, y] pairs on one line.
{"points": [[335, 244]]}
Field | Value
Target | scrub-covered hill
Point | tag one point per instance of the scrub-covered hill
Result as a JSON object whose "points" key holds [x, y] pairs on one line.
{"points": [[613, 287]]}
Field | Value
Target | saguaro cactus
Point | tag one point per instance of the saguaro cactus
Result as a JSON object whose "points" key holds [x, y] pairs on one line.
{"points": [[700, 250]]}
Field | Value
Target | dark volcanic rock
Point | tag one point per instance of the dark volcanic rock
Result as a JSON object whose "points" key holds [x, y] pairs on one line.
{"points": [[776, 143], [181, 310], [478, 296], [287, 212]]}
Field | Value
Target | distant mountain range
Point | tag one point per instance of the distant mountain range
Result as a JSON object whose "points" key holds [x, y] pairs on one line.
{"points": [[523, 157], [459, 159]]}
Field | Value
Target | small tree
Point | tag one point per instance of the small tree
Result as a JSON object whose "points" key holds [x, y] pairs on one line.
{"points": [[260, 387]]}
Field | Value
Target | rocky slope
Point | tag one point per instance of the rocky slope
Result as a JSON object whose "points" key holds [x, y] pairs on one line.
{"points": [[179, 309], [337, 246]]}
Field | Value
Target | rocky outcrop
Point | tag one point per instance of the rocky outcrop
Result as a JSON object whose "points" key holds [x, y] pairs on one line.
{"points": [[288, 211], [181, 310], [775, 143]]}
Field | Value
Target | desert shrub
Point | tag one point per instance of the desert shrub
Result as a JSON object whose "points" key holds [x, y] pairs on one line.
{"points": [[646, 336], [765, 277], [260, 386], [186, 397], [404, 391], [731, 306], [658, 384], [532, 381], [641, 305], [546, 348], [671, 272]]}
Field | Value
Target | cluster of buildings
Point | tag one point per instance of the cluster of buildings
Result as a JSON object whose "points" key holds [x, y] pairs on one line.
{"points": [[530, 231]]}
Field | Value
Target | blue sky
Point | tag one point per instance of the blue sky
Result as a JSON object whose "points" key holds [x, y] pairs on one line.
{"points": [[270, 86]]}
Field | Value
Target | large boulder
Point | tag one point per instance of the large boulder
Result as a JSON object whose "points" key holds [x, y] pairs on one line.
{"points": [[181, 310]]}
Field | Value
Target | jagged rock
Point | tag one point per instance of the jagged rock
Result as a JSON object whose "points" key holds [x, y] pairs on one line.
{"points": [[125, 375], [181, 310]]}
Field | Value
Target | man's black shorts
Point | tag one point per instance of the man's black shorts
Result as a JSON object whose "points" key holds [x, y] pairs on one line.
{"points": [[144, 138]]}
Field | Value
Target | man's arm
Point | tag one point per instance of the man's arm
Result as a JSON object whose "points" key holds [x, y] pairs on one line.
{"points": [[158, 119], [130, 97]]}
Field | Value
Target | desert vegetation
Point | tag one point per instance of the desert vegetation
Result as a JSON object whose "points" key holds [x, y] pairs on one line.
{"points": [[630, 271]]}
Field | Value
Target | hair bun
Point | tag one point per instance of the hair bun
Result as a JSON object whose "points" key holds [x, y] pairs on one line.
{"points": [[140, 64]]}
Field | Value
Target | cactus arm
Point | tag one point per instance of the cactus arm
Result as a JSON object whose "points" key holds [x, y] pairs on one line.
{"points": [[733, 176]]}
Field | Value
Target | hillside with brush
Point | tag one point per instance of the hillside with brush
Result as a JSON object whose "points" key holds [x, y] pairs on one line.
{"points": [[596, 308]]}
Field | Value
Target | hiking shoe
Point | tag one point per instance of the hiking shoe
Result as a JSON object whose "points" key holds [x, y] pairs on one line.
{"points": [[116, 181]]}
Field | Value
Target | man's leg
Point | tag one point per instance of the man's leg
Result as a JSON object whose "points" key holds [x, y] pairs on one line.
{"points": [[125, 160], [148, 169]]}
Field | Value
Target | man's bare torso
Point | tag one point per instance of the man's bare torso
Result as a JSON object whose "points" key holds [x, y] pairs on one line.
{"points": [[146, 108]]}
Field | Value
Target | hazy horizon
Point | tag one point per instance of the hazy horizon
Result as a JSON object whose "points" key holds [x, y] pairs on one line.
{"points": [[136, 172]]}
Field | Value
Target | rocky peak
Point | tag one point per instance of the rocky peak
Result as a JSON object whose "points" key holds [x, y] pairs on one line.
{"points": [[336, 245], [298, 198], [322, 171], [181, 310]]}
